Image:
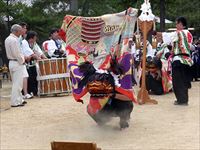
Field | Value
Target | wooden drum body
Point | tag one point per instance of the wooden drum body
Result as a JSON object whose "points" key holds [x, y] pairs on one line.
{"points": [[53, 76]]}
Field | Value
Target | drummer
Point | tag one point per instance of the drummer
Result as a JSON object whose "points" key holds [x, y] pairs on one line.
{"points": [[53, 46], [31, 48]]}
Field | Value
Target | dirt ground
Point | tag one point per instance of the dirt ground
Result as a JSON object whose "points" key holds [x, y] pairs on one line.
{"points": [[163, 126]]}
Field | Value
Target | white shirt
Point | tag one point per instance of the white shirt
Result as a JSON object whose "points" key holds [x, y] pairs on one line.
{"points": [[133, 48], [37, 50], [169, 38], [50, 46], [150, 50], [13, 50], [26, 50]]}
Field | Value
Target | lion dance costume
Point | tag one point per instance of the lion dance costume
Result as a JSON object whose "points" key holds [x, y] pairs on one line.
{"points": [[101, 86], [100, 63]]}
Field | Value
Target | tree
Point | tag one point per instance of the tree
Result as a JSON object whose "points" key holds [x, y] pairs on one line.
{"points": [[187, 9], [3, 30], [42, 15], [162, 15], [74, 5]]}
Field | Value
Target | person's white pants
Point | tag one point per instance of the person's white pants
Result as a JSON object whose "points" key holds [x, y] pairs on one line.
{"points": [[16, 72]]}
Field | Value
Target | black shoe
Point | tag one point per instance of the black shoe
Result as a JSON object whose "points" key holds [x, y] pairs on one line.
{"points": [[20, 105], [24, 102], [182, 104]]}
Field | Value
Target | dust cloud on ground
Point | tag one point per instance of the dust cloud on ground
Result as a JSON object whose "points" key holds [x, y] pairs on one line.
{"points": [[152, 127]]}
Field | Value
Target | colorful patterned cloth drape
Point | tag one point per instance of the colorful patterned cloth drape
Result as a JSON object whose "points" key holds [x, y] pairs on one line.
{"points": [[94, 39]]}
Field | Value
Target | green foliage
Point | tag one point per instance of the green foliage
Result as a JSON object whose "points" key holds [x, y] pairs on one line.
{"points": [[188, 9], [3, 8], [174, 8], [100, 7], [42, 15]]}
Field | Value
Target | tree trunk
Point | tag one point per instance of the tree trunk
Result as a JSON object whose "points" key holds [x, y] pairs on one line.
{"points": [[162, 15], [74, 5], [4, 33], [85, 8]]}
